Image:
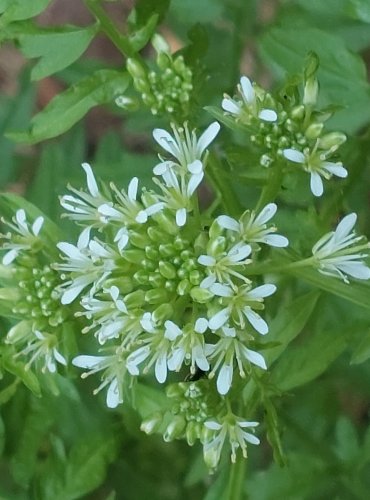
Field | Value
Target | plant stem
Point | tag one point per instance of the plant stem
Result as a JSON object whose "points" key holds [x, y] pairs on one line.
{"points": [[272, 188], [236, 480], [108, 27], [220, 181]]}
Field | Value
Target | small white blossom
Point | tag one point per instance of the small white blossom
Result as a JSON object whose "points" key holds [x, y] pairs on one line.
{"points": [[24, 236], [252, 227], [315, 162], [337, 252], [250, 103], [44, 347], [225, 352], [231, 428], [114, 371]]}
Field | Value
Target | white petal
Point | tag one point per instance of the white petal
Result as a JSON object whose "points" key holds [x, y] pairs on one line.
{"points": [[356, 269], [172, 330], [61, 359], [335, 169], [207, 137], [132, 188], [256, 321], [87, 362], [162, 167], [141, 217], [70, 250], [71, 294], [251, 438], [245, 423], [228, 223], [196, 167], [20, 217], [200, 358], [345, 226], [10, 256], [262, 291], [255, 358], [317, 187], [90, 179], [113, 397], [84, 238], [37, 225], [98, 249], [212, 425], [108, 210], [201, 325], [266, 214], [194, 182], [224, 379], [208, 281], [175, 361], [166, 141], [221, 290], [206, 260], [161, 368], [241, 253], [294, 155], [181, 217], [275, 240], [230, 106], [155, 208], [268, 115], [247, 89], [219, 319]]}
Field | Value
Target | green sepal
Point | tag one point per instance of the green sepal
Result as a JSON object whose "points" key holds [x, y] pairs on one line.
{"points": [[18, 369]]}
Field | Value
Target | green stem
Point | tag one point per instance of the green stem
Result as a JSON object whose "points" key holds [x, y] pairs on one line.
{"points": [[220, 180], [272, 188], [236, 480], [108, 27]]}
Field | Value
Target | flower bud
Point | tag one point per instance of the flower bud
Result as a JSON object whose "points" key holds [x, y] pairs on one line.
{"points": [[18, 332], [193, 431], [160, 44], [332, 140], [311, 90], [135, 299], [152, 424], [167, 270], [163, 312], [183, 287], [136, 69], [156, 296], [134, 256], [139, 240], [201, 295], [314, 130], [175, 429], [298, 112]]}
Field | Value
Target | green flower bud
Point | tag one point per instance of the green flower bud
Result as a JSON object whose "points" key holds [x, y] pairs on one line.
{"points": [[167, 270], [195, 277], [156, 280], [141, 277], [201, 295], [139, 240], [298, 112], [151, 252], [314, 130], [136, 69], [193, 432], [152, 424], [135, 299], [163, 312], [19, 332], [332, 140], [311, 90], [160, 44], [217, 245], [134, 256], [156, 296], [175, 429], [156, 235], [184, 287], [167, 250]]}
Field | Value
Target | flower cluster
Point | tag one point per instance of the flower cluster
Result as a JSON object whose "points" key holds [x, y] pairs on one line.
{"points": [[30, 292], [289, 130], [160, 290], [168, 89]]}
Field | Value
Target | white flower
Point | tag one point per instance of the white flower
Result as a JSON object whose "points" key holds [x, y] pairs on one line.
{"points": [[188, 346], [24, 237], [44, 347], [250, 103], [114, 371], [88, 266], [252, 227], [231, 428], [185, 148], [220, 264], [315, 162], [226, 351], [157, 349], [240, 304], [335, 255]]}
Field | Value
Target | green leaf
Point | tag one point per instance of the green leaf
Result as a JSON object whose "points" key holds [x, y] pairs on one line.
{"points": [[148, 400], [289, 323], [303, 363], [56, 47], [347, 447], [140, 37], [71, 105], [359, 9], [18, 369], [358, 293], [17, 10], [284, 51], [361, 352], [87, 464]]}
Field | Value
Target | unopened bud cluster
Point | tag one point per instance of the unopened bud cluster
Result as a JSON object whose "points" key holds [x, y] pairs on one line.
{"points": [[167, 89], [289, 128]]}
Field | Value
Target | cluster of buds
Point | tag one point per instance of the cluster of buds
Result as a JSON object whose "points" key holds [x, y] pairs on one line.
{"points": [[289, 128], [29, 290], [166, 90]]}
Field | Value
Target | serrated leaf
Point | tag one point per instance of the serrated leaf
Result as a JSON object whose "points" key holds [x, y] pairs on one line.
{"points": [[284, 50], [289, 323], [56, 47], [71, 105], [302, 363], [17, 10]]}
